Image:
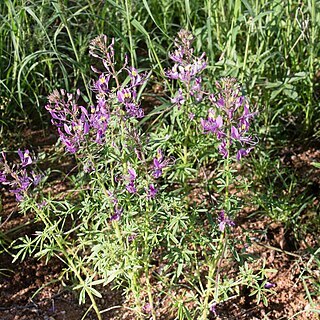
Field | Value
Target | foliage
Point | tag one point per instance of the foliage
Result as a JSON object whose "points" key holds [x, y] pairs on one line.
{"points": [[157, 191]]}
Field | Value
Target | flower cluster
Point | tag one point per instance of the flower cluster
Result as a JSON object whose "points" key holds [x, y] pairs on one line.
{"points": [[76, 123], [132, 177], [224, 221], [17, 177], [187, 68], [159, 163], [71, 119], [230, 119], [126, 95]]}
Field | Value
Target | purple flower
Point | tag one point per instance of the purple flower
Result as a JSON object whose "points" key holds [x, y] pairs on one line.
{"points": [[126, 95], [36, 178], [223, 149], [3, 177], [159, 163], [99, 120], [243, 153], [132, 177], [132, 174], [235, 133], [178, 98], [135, 77], [224, 221], [212, 124], [147, 308], [132, 237], [71, 119], [151, 192], [17, 177], [102, 84], [269, 285], [213, 308], [20, 184], [117, 214], [25, 157], [131, 187], [234, 121], [134, 110]]}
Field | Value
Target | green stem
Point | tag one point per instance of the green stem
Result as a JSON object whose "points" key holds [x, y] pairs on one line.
{"points": [[146, 262], [70, 262], [214, 268]]}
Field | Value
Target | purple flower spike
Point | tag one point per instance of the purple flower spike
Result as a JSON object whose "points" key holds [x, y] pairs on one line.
{"points": [[186, 68], [25, 157], [224, 221], [233, 123]]}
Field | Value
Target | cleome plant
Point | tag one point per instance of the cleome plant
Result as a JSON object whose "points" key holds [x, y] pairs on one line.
{"points": [[134, 219]]}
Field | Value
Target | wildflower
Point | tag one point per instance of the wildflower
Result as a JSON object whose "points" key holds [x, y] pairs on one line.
{"points": [[132, 174], [70, 118], [178, 98], [102, 84], [242, 153], [213, 308], [269, 285], [134, 110], [212, 124], [187, 68], [147, 308], [132, 177], [224, 221], [223, 150], [17, 177], [25, 157], [232, 124], [131, 187], [3, 177], [151, 192], [135, 77], [99, 120], [158, 164], [117, 214]]}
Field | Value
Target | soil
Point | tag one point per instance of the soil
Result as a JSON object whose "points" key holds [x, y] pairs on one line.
{"points": [[32, 289]]}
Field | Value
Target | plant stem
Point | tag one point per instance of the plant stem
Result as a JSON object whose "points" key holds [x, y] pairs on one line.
{"points": [[70, 262]]}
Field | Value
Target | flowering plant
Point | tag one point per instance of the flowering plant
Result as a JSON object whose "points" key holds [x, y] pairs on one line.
{"points": [[131, 220]]}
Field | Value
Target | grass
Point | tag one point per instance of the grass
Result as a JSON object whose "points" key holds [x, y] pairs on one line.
{"points": [[269, 45]]}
